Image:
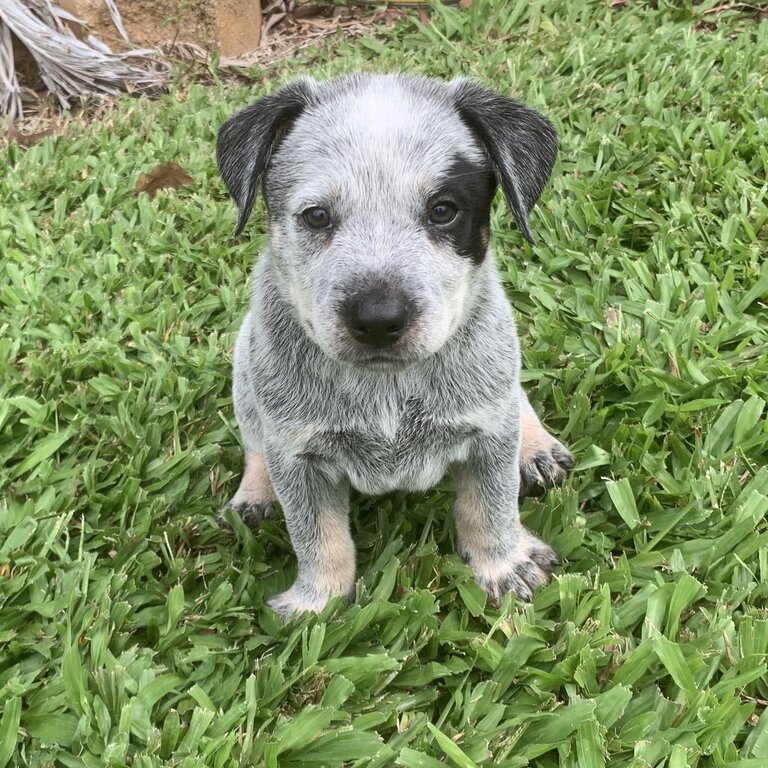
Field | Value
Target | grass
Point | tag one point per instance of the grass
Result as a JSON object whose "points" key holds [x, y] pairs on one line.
{"points": [[133, 631]]}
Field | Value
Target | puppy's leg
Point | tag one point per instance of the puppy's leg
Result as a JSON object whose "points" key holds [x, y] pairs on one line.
{"points": [[255, 497], [544, 461], [503, 554], [316, 508]]}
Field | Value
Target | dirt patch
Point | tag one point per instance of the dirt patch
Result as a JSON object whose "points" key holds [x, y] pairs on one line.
{"points": [[289, 27], [229, 27]]}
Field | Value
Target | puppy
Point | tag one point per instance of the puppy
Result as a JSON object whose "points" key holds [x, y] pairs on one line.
{"points": [[380, 350]]}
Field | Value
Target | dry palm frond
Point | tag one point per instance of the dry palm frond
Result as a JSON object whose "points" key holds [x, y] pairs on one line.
{"points": [[10, 91], [116, 19], [70, 68]]}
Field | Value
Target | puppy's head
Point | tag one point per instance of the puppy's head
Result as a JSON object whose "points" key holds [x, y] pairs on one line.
{"points": [[378, 192]]}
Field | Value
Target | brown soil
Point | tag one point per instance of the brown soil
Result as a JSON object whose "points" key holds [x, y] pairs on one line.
{"points": [[229, 27]]}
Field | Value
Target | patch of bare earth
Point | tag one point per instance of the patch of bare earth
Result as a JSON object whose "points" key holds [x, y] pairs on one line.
{"points": [[290, 27]]}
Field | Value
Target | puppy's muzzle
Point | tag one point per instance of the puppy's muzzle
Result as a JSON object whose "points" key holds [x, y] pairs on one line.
{"points": [[377, 318]]}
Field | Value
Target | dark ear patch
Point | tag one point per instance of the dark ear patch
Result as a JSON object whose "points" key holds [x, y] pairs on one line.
{"points": [[470, 186], [521, 143], [246, 141]]}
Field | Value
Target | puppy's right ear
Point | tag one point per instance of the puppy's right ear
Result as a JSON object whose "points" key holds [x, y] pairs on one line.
{"points": [[245, 142]]}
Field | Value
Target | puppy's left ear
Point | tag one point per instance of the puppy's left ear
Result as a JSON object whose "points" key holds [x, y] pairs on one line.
{"points": [[246, 141], [521, 143]]}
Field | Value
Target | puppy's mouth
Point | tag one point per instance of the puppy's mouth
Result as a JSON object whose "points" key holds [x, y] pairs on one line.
{"points": [[383, 363]]}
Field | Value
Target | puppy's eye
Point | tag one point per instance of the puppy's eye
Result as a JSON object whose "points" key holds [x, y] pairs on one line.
{"points": [[317, 218], [442, 212]]}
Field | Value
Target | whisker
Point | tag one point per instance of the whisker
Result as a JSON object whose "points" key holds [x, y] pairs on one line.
{"points": [[462, 175]]}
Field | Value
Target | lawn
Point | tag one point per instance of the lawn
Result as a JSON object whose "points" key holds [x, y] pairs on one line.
{"points": [[134, 632]]}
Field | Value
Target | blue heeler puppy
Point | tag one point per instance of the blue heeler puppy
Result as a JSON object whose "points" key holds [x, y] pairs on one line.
{"points": [[380, 350]]}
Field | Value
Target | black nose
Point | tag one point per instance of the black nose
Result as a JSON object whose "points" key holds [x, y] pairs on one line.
{"points": [[377, 317]]}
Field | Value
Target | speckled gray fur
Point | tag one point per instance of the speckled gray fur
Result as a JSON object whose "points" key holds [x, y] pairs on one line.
{"points": [[326, 412]]}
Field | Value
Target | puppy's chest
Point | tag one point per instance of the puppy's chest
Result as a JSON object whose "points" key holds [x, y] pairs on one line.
{"points": [[406, 448]]}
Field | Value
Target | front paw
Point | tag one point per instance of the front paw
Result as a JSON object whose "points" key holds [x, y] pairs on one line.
{"points": [[299, 599], [521, 571], [251, 513], [543, 466]]}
